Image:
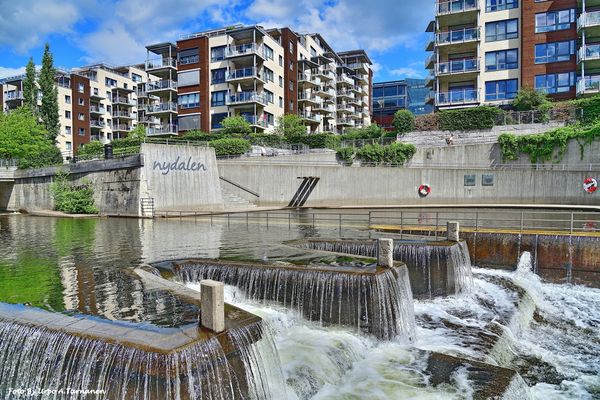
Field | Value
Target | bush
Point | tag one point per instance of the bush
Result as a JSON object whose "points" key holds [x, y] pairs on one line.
{"points": [[466, 119], [235, 125], [198, 136], [265, 139], [427, 122], [229, 147], [345, 154], [290, 126], [395, 153], [372, 131], [93, 148], [590, 109], [72, 199], [318, 140], [530, 99], [404, 121]]}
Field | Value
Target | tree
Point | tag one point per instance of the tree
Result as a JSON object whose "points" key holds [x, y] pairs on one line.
{"points": [[235, 125], [529, 99], [372, 131], [22, 137], [138, 133], [290, 126], [30, 87], [49, 108], [403, 122]]}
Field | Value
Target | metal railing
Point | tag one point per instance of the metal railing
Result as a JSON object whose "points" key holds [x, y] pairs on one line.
{"points": [[9, 162], [358, 143], [457, 36], [457, 67], [588, 18], [246, 97], [535, 117], [251, 72], [176, 142], [457, 97], [456, 6], [161, 63]]}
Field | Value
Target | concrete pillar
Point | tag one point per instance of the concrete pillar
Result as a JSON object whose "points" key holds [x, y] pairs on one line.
{"points": [[212, 305], [385, 252], [452, 228]]}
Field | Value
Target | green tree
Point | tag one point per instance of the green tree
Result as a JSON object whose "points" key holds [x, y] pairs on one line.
{"points": [[200, 136], [235, 125], [403, 122], [22, 137], [72, 199], [290, 126], [29, 86], [138, 133], [529, 99], [49, 108]]}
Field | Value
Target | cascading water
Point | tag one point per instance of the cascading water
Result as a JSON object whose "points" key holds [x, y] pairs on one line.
{"points": [[435, 269], [379, 302], [53, 364]]}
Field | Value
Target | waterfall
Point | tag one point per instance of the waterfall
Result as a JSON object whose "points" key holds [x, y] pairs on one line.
{"points": [[54, 364], [378, 302], [435, 268]]}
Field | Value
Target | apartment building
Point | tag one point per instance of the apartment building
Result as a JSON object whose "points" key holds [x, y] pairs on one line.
{"points": [[406, 94], [483, 51], [260, 75], [97, 102]]}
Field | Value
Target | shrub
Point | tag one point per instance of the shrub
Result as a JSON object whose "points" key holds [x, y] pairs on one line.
{"points": [[404, 121], [235, 125], [372, 131], [482, 117], [93, 148], [227, 147], [72, 199], [290, 126], [529, 99], [589, 109], [198, 136], [395, 153], [345, 154], [427, 122], [318, 140], [265, 139]]}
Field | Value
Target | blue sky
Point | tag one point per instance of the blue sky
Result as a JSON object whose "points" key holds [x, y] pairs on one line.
{"points": [[115, 32]]}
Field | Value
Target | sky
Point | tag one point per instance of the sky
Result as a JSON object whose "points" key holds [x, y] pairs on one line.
{"points": [[115, 32]]}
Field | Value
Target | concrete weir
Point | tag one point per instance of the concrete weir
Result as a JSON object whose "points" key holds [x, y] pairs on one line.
{"points": [[128, 360], [438, 268]]}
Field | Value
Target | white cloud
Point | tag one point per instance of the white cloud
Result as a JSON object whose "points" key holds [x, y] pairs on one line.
{"points": [[407, 72], [5, 72]]}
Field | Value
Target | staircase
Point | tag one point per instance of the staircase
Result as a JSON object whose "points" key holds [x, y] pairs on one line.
{"points": [[147, 207], [233, 201]]}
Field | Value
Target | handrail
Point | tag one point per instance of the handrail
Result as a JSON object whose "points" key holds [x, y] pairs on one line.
{"points": [[245, 189]]}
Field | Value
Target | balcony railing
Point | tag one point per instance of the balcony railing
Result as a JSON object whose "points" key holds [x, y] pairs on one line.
{"points": [[430, 60], [256, 120], [589, 52], [307, 97], [345, 108], [345, 93], [123, 100], [588, 84], [588, 19], [121, 114], [458, 67], [464, 96], [161, 85], [94, 123], [168, 129], [310, 116], [121, 127], [308, 78], [456, 6], [359, 66], [323, 91], [97, 110], [244, 49], [345, 121], [243, 73], [457, 36], [344, 79], [15, 96], [161, 107], [160, 63], [246, 97]]}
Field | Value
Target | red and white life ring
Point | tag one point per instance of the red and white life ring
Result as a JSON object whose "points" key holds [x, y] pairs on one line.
{"points": [[424, 190], [590, 185]]}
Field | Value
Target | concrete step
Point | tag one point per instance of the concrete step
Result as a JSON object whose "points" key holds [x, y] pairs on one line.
{"points": [[231, 199]]}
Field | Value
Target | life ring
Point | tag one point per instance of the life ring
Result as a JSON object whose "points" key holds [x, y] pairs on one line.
{"points": [[590, 185], [424, 190]]}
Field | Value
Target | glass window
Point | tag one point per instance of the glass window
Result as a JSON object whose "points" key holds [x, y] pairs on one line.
{"points": [[218, 98], [217, 53], [499, 5], [81, 132], [554, 20], [280, 101], [501, 90], [136, 77], [470, 180], [280, 61], [487, 180], [218, 75], [188, 122], [270, 118], [500, 60], [188, 78], [269, 76], [188, 56], [390, 91], [81, 101], [555, 83], [269, 96], [501, 30], [109, 82], [188, 100], [67, 99], [280, 81], [555, 51], [377, 92], [268, 52], [215, 121]]}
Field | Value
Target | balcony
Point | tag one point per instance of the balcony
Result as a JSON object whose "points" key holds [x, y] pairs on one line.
{"points": [[246, 98], [457, 36], [588, 85], [589, 52], [244, 50], [164, 85], [345, 122], [356, 102], [357, 115], [256, 121], [121, 128], [14, 96], [97, 124], [162, 108], [122, 114], [308, 80], [430, 61], [243, 74], [588, 20], [446, 7], [344, 80], [96, 96], [357, 89], [458, 67], [148, 120], [324, 92], [167, 129], [161, 64], [345, 108], [364, 67], [457, 97], [97, 110], [363, 78], [323, 74], [307, 98], [119, 100], [310, 117], [323, 108]]}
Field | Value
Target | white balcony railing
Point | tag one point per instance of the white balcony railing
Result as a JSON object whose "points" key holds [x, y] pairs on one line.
{"points": [[464, 96], [167, 129], [458, 67], [14, 96], [160, 63], [256, 120], [457, 36], [244, 49], [243, 73], [162, 107], [97, 110], [456, 6], [165, 84], [246, 97], [310, 116], [588, 53], [588, 84], [588, 19]]}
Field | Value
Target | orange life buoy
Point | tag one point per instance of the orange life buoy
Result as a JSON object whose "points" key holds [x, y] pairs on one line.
{"points": [[424, 190]]}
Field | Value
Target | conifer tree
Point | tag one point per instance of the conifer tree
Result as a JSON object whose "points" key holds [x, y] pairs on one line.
{"points": [[29, 87], [49, 108]]}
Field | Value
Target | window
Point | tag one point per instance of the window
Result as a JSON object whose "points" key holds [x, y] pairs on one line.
{"points": [[96, 92], [280, 81], [555, 51], [216, 120], [291, 104], [270, 118], [291, 86], [218, 75], [269, 76], [500, 60], [280, 101], [188, 122], [81, 116], [68, 130], [269, 96], [217, 53], [110, 82], [554, 20], [501, 90], [67, 99], [280, 61], [313, 52], [81, 132], [291, 65], [81, 87], [136, 77], [268, 52], [81, 101], [188, 100], [487, 180], [188, 78], [555, 83], [188, 56], [470, 180], [499, 5], [69, 146], [218, 98], [501, 30], [67, 114]]}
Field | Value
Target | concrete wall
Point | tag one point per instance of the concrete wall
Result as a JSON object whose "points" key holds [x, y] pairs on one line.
{"points": [[181, 177], [5, 194]]}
